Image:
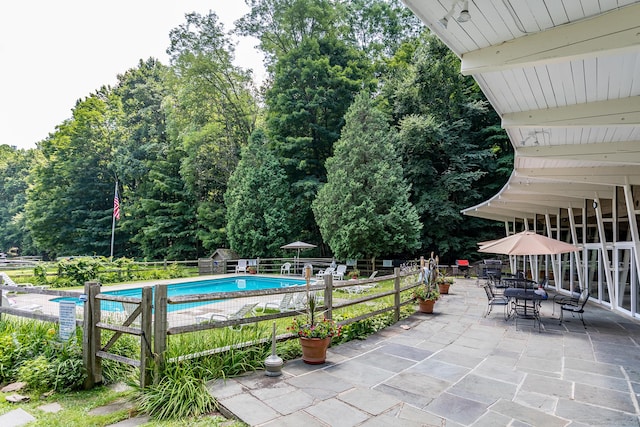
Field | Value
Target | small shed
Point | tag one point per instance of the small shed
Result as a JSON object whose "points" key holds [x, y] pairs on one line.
{"points": [[217, 261]]}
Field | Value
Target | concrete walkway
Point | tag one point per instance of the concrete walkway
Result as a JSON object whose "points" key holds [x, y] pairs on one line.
{"points": [[456, 368]]}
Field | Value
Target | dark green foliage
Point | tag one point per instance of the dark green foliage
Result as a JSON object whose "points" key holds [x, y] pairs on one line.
{"points": [[71, 200], [213, 112], [364, 211], [316, 74], [453, 152], [172, 136], [32, 352], [259, 204], [15, 166]]}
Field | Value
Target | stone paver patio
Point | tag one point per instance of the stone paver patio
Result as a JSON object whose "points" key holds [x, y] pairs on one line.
{"points": [[457, 368]]}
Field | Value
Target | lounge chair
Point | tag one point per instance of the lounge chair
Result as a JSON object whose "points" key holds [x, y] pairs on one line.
{"points": [[339, 273], [329, 270], [218, 317], [6, 302], [285, 304], [358, 289], [242, 266], [286, 268]]}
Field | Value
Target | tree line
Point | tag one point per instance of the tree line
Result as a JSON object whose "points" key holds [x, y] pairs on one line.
{"points": [[364, 139]]}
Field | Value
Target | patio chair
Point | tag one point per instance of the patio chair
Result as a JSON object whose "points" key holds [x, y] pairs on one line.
{"points": [[286, 268], [561, 300], [285, 304], [338, 274], [218, 317], [575, 307], [493, 299], [242, 266]]}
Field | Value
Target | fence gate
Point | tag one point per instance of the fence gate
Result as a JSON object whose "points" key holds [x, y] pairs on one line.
{"points": [[138, 318]]}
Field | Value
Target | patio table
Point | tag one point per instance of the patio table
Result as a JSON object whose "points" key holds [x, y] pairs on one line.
{"points": [[517, 282], [526, 303]]}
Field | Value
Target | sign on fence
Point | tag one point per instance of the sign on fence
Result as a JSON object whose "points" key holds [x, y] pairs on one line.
{"points": [[67, 319]]}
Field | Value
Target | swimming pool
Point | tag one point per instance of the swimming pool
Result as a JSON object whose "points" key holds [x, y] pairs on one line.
{"points": [[227, 284]]}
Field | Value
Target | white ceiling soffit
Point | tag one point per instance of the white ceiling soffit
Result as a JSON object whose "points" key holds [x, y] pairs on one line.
{"points": [[564, 76]]}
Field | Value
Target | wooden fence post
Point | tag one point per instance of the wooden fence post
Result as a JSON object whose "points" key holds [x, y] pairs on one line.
{"points": [[145, 338], [396, 302], [160, 330], [328, 296], [91, 335]]}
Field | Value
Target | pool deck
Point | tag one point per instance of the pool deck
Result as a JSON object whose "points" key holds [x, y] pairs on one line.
{"points": [[183, 317], [457, 368]]}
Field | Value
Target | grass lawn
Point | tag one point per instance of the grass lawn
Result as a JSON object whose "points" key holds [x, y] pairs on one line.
{"points": [[77, 407]]}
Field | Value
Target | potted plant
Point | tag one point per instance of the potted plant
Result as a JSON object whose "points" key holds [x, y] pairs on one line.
{"points": [[444, 282], [315, 336], [252, 269], [426, 296], [354, 274]]}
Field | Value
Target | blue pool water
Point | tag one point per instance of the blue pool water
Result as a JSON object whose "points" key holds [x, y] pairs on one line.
{"points": [[229, 284]]}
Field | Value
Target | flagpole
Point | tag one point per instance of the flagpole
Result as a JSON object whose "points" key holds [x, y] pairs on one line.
{"points": [[113, 218]]}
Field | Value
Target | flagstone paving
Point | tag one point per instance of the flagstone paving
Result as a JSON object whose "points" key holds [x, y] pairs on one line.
{"points": [[457, 368]]}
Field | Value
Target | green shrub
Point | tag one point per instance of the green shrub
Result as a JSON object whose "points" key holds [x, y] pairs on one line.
{"points": [[127, 346], [179, 394], [7, 352], [38, 373], [30, 351]]}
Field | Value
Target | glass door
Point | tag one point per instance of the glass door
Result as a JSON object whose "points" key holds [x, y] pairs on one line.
{"points": [[627, 282]]}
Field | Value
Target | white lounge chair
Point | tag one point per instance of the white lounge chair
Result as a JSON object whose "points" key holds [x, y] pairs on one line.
{"points": [[242, 266], [320, 274], [218, 317], [7, 302], [358, 289], [285, 304]]}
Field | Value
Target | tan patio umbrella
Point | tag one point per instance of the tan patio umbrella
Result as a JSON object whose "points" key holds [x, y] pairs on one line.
{"points": [[298, 245], [527, 243]]}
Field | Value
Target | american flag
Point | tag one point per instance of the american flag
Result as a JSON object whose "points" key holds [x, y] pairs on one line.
{"points": [[116, 206]]}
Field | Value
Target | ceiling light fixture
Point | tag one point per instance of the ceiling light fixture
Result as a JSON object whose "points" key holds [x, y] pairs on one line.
{"points": [[464, 13], [444, 21]]}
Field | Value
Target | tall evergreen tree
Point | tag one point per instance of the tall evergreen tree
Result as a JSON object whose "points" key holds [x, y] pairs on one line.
{"points": [[259, 204], [364, 210]]}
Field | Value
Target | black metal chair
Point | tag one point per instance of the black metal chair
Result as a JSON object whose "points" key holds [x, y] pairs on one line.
{"points": [[575, 307], [561, 299], [493, 299]]}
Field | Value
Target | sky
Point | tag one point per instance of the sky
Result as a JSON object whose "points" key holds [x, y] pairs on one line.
{"points": [[54, 52]]}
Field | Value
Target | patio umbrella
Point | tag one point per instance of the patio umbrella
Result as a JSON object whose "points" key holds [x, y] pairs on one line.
{"points": [[298, 245], [527, 243]]}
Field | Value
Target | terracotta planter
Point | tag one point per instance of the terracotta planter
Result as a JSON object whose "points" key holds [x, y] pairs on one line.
{"points": [[314, 350], [443, 288], [426, 306]]}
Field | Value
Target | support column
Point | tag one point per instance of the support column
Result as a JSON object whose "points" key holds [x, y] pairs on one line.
{"points": [[635, 237], [613, 292]]}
